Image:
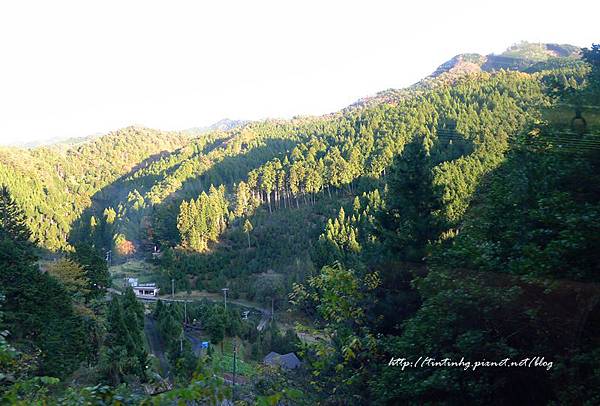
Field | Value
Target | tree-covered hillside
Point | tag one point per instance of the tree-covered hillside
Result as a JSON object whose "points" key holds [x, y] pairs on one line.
{"points": [[55, 184], [198, 198], [511, 283], [133, 171]]}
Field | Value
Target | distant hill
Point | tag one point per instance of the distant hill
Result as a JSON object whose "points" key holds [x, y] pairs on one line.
{"points": [[221, 125], [68, 142], [539, 51], [59, 142], [523, 57], [54, 184]]}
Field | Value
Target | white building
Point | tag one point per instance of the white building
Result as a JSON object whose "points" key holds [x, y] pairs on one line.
{"points": [[148, 290]]}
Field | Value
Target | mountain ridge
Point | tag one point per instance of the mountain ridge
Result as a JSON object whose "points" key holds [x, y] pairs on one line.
{"points": [[520, 57], [172, 164], [524, 57]]}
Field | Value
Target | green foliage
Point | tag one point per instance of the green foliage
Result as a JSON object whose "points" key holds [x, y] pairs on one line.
{"points": [[202, 220], [55, 185], [509, 223], [38, 307], [13, 226], [269, 287], [341, 299], [215, 325], [133, 307], [124, 352], [96, 270], [411, 220]]}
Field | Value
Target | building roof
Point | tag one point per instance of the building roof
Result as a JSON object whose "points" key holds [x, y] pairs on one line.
{"points": [[270, 356], [287, 361], [141, 287]]}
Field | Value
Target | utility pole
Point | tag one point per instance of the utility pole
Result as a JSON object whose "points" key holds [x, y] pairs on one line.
{"points": [[172, 288], [185, 312], [225, 297], [272, 310], [234, 367], [108, 258]]}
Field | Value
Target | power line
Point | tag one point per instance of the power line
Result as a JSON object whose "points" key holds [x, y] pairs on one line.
{"points": [[557, 141], [453, 133]]}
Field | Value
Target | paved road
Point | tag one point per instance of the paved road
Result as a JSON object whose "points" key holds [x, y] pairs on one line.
{"points": [[265, 313], [156, 344]]}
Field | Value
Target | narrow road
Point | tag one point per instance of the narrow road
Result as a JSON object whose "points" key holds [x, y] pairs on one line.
{"points": [[265, 313], [156, 345], [265, 317]]}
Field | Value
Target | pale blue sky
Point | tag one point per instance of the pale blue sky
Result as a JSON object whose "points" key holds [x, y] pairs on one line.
{"points": [[78, 68]]}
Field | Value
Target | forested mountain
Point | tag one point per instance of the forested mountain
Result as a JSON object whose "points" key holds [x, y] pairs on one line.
{"points": [[458, 217], [522, 57], [54, 185]]}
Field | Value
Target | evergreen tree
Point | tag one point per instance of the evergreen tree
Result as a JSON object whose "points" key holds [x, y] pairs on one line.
{"points": [[133, 308], [38, 307], [411, 220], [13, 223], [214, 323], [248, 229], [124, 340], [242, 199], [95, 267]]}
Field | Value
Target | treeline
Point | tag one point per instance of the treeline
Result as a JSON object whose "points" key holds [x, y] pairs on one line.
{"points": [[143, 175], [466, 127], [146, 216]]}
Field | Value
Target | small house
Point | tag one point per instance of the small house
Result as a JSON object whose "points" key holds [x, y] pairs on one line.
{"points": [[285, 361]]}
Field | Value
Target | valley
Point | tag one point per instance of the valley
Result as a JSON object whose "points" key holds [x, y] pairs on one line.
{"points": [[458, 217]]}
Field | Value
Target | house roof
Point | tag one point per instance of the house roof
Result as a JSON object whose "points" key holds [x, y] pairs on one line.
{"points": [[270, 356], [144, 287], [287, 361]]}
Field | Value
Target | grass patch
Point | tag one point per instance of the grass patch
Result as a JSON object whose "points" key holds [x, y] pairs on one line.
{"points": [[144, 271], [224, 363]]}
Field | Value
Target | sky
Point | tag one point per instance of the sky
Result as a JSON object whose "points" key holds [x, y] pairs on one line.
{"points": [[77, 68]]}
